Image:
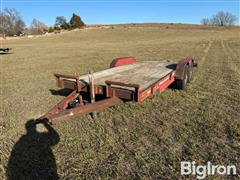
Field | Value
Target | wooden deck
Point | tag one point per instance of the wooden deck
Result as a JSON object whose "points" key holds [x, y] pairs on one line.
{"points": [[143, 73]]}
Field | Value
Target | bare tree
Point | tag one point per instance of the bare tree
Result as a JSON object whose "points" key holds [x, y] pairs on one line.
{"points": [[11, 22], [37, 27], [223, 19], [205, 21]]}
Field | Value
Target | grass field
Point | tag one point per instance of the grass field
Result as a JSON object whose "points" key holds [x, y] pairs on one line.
{"points": [[131, 140]]}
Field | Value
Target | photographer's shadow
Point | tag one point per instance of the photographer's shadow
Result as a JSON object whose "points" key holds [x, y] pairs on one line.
{"points": [[32, 156]]}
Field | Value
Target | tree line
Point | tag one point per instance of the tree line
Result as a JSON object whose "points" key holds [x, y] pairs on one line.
{"points": [[12, 24], [220, 19]]}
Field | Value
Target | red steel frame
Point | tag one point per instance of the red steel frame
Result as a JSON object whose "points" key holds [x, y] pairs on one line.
{"points": [[113, 93]]}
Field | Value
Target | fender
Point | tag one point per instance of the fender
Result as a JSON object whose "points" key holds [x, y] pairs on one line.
{"points": [[181, 67], [122, 61]]}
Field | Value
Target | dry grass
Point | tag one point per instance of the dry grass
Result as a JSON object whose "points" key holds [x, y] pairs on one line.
{"points": [[146, 140]]}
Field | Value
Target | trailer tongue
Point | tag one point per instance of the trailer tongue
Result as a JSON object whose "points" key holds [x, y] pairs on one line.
{"points": [[126, 80]]}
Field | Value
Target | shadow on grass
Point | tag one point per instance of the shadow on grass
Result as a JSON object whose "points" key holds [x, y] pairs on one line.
{"points": [[5, 53], [32, 157], [173, 86]]}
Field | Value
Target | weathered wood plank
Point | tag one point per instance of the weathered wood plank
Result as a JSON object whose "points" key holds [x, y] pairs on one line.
{"points": [[144, 73]]}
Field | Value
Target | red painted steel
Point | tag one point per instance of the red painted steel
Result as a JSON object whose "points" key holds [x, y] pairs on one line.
{"points": [[161, 85], [127, 93], [145, 94], [60, 83], [82, 109], [61, 105], [164, 83], [122, 61], [113, 92]]}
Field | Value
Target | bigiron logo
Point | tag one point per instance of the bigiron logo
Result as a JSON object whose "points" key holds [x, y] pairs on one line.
{"points": [[202, 171]]}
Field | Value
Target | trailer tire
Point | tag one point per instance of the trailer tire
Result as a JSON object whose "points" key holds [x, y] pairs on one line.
{"points": [[189, 73], [182, 83]]}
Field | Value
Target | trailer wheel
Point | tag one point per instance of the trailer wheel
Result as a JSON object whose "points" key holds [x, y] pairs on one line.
{"points": [[189, 73], [182, 83]]}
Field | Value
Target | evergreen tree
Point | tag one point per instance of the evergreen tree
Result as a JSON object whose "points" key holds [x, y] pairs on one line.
{"points": [[76, 21]]}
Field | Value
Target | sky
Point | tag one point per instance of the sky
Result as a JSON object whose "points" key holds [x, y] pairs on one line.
{"points": [[122, 11]]}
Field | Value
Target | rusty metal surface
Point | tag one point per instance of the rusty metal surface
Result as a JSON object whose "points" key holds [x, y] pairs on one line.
{"points": [[61, 105], [119, 91], [181, 67], [125, 94], [83, 109], [62, 80]]}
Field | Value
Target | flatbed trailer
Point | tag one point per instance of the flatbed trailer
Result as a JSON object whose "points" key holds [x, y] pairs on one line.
{"points": [[125, 80]]}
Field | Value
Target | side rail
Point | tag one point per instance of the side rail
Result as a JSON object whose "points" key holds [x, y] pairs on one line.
{"points": [[68, 81], [113, 88]]}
